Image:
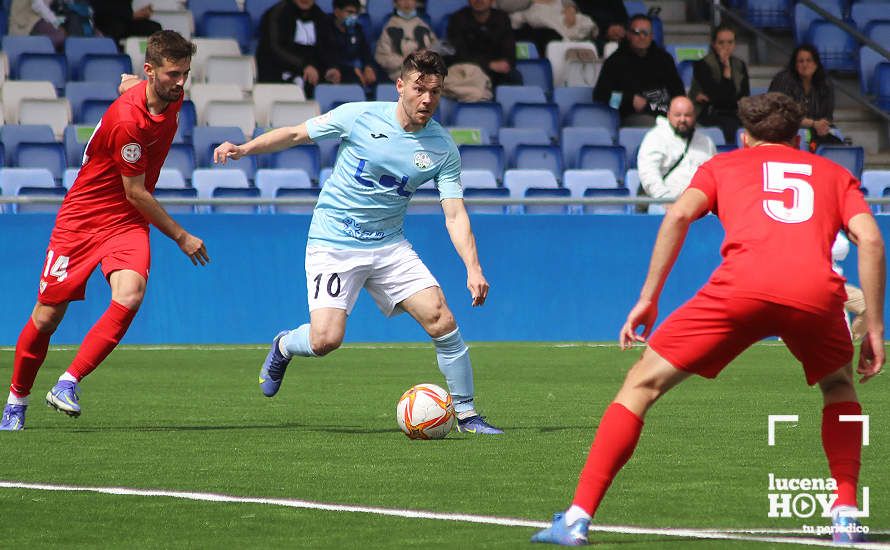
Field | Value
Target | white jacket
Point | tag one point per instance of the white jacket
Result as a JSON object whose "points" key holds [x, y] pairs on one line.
{"points": [[660, 149]]}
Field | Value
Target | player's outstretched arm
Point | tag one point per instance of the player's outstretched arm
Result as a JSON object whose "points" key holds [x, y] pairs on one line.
{"points": [[148, 206], [270, 142], [458, 224], [864, 231], [691, 205]]}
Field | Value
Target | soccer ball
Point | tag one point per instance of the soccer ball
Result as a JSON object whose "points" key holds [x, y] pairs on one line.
{"points": [[425, 412]]}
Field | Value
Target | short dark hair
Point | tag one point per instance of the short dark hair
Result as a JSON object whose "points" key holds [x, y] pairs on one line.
{"points": [[425, 62], [819, 76], [772, 117], [168, 45], [639, 17], [341, 4], [720, 28]]}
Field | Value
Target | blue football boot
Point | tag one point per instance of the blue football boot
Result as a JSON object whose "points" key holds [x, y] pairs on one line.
{"points": [[272, 371], [13, 417], [845, 528], [64, 398], [562, 534], [477, 425]]}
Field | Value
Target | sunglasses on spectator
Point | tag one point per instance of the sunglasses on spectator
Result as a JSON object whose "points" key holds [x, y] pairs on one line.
{"points": [[640, 32]]}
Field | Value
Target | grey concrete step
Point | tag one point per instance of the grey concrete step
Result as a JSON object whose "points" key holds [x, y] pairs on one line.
{"points": [[670, 11]]}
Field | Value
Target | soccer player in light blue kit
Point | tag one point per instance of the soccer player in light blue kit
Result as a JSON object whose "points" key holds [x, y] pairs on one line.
{"points": [[356, 238]]}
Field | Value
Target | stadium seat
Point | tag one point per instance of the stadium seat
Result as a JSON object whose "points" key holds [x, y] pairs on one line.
{"points": [[256, 9], [632, 181], [15, 46], [804, 17], [328, 149], [837, 49], [231, 113], [202, 94], [76, 47], [685, 68], [426, 191], [882, 86], [569, 96], [851, 158], [13, 179], [726, 148], [69, 177], [687, 52], [211, 47], [439, 9], [713, 132], [883, 208], [201, 7], [14, 91], [631, 138], [875, 182], [597, 192], [204, 137], [264, 95], [44, 66], [578, 180], [508, 96], [483, 157], [290, 113], [324, 174], [863, 13], [607, 157], [247, 164], [488, 116], [92, 111], [477, 179], [207, 180], [170, 178], [188, 119], [536, 72], [12, 135], [329, 96], [269, 181], [295, 193], [379, 12], [78, 92], [134, 46], [57, 193], [181, 157], [162, 193], [578, 73], [635, 7], [386, 92], [518, 180], [469, 136], [486, 193], [542, 116], [103, 67], [222, 24], [303, 157], [42, 155], [180, 21], [868, 62], [593, 115], [233, 69], [56, 113], [510, 138], [539, 157], [574, 138], [772, 14], [235, 193], [879, 31], [549, 193]]}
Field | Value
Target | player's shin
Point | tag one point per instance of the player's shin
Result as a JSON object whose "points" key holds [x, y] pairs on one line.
{"points": [[30, 352], [296, 342], [614, 443], [454, 363], [101, 340], [842, 442]]}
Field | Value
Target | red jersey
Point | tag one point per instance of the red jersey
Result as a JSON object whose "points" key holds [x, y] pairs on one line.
{"points": [[128, 141], [781, 209]]}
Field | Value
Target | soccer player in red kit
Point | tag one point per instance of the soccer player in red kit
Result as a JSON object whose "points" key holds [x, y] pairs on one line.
{"points": [[104, 220], [781, 209]]}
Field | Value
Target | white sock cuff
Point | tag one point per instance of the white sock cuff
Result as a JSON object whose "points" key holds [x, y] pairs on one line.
{"points": [[13, 400]]}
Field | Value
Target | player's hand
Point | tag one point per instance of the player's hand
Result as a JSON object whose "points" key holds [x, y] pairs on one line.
{"points": [[871, 356], [643, 314], [478, 287], [310, 75], [127, 82], [226, 151], [332, 75], [194, 248]]}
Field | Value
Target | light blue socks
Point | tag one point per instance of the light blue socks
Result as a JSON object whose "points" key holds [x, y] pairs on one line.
{"points": [[454, 363], [296, 342]]}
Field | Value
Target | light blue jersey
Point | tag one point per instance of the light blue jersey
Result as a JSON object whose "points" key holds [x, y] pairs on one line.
{"points": [[379, 166]]}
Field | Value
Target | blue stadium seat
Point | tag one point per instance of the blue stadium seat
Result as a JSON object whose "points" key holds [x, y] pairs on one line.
{"points": [[78, 46], [44, 66], [879, 31], [224, 24], [170, 178], [630, 138], [536, 72], [483, 157], [868, 62], [508, 96], [837, 49], [256, 9], [294, 193], [75, 139], [329, 96], [425, 191], [326, 6], [487, 116], [685, 69], [269, 181], [13, 134], [69, 177], [233, 193], [78, 92], [324, 174], [727, 148], [42, 155], [510, 138], [875, 182], [188, 119], [769, 14], [851, 158], [567, 97], [608, 157], [102, 67], [328, 148], [13, 179], [207, 180], [2, 157], [182, 158], [635, 7], [200, 7], [28, 191], [379, 12], [577, 180], [883, 208], [15, 46], [593, 115], [539, 157], [205, 136], [478, 179], [518, 180], [863, 13], [92, 111], [595, 192], [162, 193], [549, 193], [713, 132], [632, 181], [574, 138], [804, 17], [527, 50], [882, 86], [439, 9], [303, 157], [543, 116], [247, 164], [486, 193], [386, 92]]}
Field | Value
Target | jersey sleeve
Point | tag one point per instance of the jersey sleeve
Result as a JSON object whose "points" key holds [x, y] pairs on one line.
{"points": [[448, 178], [852, 199], [704, 181], [128, 150], [336, 123]]}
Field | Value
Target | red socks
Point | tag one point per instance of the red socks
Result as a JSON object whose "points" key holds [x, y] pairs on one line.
{"points": [[842, 442], [615, 441], [101, 339], [30, 351]]}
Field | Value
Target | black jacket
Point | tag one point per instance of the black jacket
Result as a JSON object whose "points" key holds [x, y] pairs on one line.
{"points": [[277, 52], [653, 75], [481, 43]]}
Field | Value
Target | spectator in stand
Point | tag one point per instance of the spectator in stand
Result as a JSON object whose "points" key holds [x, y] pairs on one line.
{"points": [[116, 19], [483, 36], [289, 50], [348, 59], [719, 81], [640, 78], [610, 17], [547, 20], [806, 82], [34, 17], [671, 153], [405, 32]]}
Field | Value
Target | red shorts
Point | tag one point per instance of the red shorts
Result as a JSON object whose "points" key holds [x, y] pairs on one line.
{"points": [[72, 256], [707, 332]]}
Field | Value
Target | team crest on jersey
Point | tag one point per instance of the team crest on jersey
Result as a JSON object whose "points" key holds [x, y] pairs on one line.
{"points": [[131, 152], [422, 160]]}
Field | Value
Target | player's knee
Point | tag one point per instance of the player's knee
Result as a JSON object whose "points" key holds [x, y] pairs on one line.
{"points": [[130, 299], [324, 343], [838, 385], [46, 320]]}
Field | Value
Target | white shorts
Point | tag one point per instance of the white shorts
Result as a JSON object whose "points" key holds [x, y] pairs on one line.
{"points": [[391, 274]]}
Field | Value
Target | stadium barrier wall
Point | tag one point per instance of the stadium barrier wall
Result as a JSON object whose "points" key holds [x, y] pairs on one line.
{"points": [[553, 278]]}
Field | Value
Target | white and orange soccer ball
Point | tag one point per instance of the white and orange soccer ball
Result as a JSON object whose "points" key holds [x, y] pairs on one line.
{"points": [[425, 411]]}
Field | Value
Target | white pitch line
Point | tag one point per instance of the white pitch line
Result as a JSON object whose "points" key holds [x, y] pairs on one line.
{"points": [[422, 514]]}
